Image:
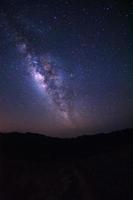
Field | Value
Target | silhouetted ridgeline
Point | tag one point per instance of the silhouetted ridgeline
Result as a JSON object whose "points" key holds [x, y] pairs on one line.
{"points": [[36, 167], [40, 146]]}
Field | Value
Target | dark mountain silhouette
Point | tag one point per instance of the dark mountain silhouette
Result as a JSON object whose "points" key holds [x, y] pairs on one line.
{"points": [[37, 167]]}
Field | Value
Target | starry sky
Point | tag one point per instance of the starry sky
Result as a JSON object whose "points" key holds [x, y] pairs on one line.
{"points": [[65, 66]]}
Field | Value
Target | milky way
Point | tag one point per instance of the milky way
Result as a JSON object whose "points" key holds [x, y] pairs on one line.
{"points": [[49, 78]]}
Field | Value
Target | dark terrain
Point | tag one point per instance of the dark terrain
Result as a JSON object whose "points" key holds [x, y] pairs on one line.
{"points": [[36, 167]]}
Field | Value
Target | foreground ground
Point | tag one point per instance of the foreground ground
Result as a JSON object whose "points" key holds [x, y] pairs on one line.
{"points": [[88, 168]]}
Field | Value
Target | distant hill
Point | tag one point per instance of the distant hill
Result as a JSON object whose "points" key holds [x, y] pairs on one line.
{"points": [[37, 167], [39, 146]]}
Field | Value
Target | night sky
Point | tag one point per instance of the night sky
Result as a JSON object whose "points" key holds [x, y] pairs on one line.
{"points": [[65, 66]]}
